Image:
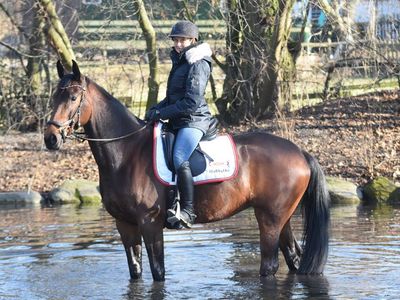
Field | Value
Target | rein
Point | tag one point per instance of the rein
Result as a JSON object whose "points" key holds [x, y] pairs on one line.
{"points": [[69, 125], [76, 135]]}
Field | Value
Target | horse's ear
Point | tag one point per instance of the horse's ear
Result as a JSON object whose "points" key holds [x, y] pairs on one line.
{"points": [[60, 69], [75, 70]]}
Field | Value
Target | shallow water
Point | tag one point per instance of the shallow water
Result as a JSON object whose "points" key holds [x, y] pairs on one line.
{"points": [[68, 252]]}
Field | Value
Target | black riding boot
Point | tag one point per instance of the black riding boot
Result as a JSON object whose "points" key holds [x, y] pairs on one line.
{"points": [[186, 190]]}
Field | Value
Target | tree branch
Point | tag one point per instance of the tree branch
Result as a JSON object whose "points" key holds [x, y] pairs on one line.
{"points": [[219, 63], [12, 21], [18, 52]]}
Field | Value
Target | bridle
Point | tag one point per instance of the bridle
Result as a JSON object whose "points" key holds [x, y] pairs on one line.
{"points": [[68, 128]]}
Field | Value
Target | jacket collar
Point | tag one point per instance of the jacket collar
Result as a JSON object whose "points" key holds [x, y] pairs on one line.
{"points": [[199, 52], [193, 53]]}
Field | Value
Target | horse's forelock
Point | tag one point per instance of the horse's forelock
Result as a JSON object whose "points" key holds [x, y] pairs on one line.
{"points": [[65, 81]]}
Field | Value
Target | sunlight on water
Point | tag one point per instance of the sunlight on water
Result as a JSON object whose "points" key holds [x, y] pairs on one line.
{"points": [[75, 253]]}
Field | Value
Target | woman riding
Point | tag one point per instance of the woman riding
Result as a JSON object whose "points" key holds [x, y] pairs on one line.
{"points": [[185, 107]]}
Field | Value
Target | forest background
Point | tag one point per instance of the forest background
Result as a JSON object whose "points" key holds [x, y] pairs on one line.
{"points": [[280, 66]]}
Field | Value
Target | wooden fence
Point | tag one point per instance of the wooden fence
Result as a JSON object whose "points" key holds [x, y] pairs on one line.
{"points": [[370, 65], [122, 36]]}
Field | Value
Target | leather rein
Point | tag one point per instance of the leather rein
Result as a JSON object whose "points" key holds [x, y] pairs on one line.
{"points": [[67, 129]]}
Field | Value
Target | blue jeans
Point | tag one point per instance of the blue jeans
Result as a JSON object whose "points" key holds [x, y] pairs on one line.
{"points": [[186, 141]]}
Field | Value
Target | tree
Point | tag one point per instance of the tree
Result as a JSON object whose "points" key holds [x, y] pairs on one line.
{"points": [[55, 32], [36, 46], [259, 65], [151, 45]]}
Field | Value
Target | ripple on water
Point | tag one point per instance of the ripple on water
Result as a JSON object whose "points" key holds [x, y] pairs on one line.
{"points": [[77, 254]]}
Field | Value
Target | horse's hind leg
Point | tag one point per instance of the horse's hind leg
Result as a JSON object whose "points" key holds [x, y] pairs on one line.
{"points": [[290, 248], [132, 240], [269, 243]]}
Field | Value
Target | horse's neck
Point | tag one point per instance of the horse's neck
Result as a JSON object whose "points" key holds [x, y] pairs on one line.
{"points": [[110, 119]]}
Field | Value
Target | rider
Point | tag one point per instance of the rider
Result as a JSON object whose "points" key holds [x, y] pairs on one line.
{"points": [[185, 107]]}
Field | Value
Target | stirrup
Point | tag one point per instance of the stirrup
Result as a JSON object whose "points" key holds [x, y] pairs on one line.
{"points": [[187, 223], [174, 216]]}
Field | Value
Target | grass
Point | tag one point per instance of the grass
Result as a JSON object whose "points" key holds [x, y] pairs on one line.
{"points": [[308, 94]]}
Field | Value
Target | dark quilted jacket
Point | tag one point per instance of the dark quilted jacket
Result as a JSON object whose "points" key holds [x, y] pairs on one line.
{"points": [[185, 105]]}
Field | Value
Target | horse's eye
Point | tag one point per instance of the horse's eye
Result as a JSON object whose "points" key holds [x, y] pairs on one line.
{"points": [[73, 98]]}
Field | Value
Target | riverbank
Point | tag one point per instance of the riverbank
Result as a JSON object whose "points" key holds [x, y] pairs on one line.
{"points": [[355, 138]]}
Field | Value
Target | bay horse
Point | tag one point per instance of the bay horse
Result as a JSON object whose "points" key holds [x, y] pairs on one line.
{"points": [[274, 176]]}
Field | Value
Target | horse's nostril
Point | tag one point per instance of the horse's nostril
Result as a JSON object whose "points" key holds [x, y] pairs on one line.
{"points": [[53, 139], [52, 142]]}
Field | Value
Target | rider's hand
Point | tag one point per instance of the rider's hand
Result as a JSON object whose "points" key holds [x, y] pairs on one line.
{"points": [[153, 115]]}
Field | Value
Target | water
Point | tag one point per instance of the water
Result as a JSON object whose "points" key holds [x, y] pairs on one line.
{"points": [[68, 252]]}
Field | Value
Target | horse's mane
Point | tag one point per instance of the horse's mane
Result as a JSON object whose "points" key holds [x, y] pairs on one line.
{"points": [[116, 102]]}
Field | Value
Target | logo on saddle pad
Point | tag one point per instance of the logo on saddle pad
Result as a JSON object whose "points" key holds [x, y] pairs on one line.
{"points": [[213, 161]]}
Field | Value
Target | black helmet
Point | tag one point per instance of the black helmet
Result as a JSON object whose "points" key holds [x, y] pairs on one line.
{"points": [[185, 29]]}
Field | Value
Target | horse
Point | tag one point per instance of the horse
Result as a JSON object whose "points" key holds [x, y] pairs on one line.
{"points": [[274, 176]]}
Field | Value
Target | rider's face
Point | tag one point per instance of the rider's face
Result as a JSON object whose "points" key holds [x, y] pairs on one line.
{"points": [[181, 42]]}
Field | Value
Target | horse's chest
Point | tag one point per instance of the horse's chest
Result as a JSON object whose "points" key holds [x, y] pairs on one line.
{"points": [[120, 205]]}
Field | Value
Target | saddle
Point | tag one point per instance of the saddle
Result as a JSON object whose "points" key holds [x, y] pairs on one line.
{"points": [[197, 159]]}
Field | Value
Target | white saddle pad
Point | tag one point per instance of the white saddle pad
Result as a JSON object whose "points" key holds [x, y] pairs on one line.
{"points": [[222, 150]]}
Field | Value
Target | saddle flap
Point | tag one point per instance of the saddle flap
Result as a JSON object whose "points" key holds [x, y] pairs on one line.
{"points": [[168, 140], [197, 163]]}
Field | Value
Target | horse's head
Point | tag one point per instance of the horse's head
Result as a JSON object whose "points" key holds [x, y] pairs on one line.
{"points": [[70, 107]]}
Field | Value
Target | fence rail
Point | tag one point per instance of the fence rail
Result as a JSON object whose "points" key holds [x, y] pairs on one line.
{"points": [[119, 36]]}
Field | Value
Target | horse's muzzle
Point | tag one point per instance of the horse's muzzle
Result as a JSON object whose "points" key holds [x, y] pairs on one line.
{"points": [[53, 141]]}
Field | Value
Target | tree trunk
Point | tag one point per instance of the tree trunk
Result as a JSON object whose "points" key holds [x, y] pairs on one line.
{"points": [[277, 85], [56, 33], [36, 44], [228, 101], [260, 67], [151, 46]]}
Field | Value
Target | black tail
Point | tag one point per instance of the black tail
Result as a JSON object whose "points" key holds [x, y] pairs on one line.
{"points": [[316, 202]]}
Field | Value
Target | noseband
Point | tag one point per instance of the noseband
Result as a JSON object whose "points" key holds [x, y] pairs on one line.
{"points": [[70, 124]]}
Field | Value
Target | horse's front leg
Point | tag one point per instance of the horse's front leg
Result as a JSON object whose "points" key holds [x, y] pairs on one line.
{"points": [[132, 240], [152, 231]]}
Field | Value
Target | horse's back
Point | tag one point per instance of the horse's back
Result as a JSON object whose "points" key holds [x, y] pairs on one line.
{"points": [[269, 146]]}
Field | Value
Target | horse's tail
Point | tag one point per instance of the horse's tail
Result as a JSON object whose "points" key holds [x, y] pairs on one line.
{"points": [[316, 202]]}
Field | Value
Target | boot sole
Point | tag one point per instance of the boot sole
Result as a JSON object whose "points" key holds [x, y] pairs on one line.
{"points": [[186, 224]]}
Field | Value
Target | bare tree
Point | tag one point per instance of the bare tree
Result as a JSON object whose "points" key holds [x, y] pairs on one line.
{"points": [[151, 45], [259, 65]]}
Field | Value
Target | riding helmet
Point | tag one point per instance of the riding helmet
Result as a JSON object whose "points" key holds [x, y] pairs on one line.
{"points": [[185, 29]]}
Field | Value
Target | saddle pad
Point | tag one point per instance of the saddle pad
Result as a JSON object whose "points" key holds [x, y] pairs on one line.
{"points": [[222, 150]]}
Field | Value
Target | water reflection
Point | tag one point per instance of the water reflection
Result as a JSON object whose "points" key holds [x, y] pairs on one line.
{"points": [[76, 253], [137, 290]]}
